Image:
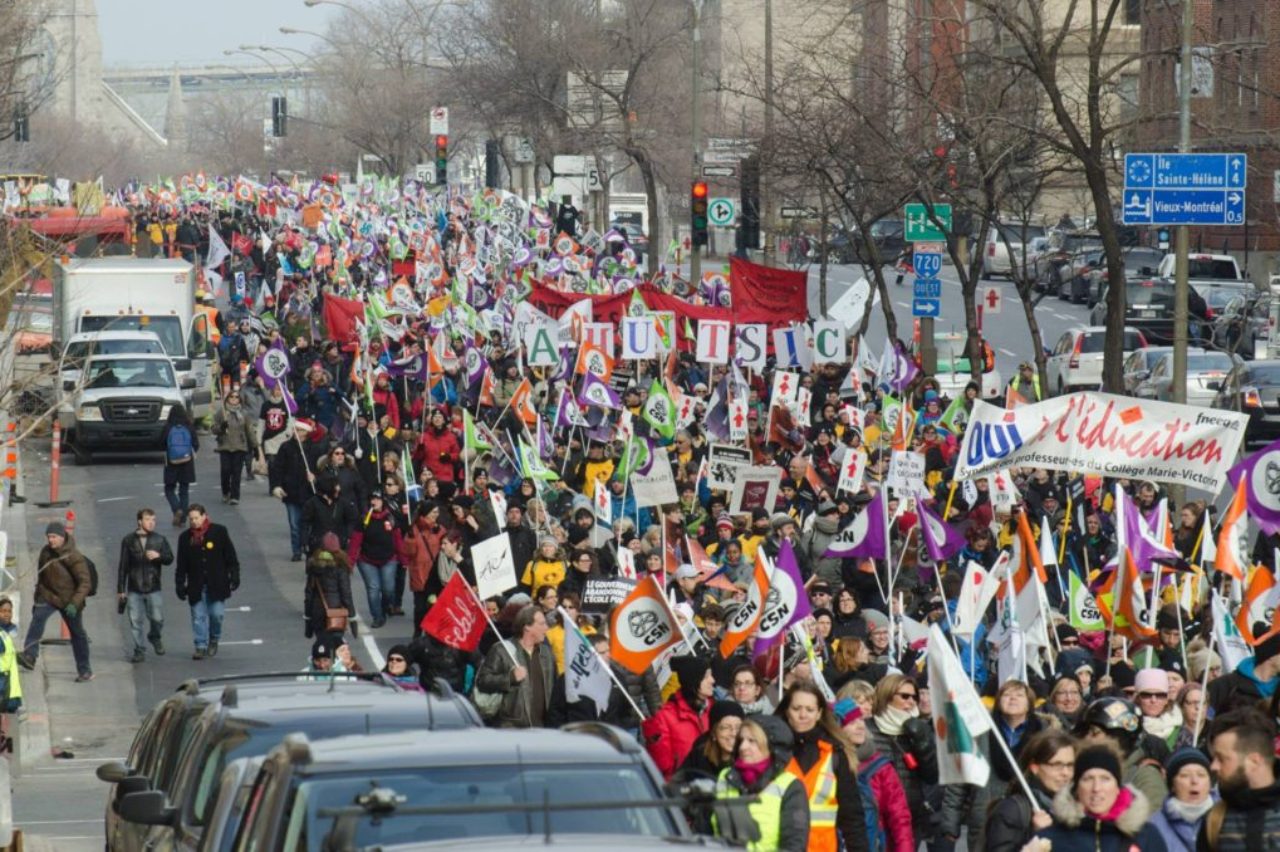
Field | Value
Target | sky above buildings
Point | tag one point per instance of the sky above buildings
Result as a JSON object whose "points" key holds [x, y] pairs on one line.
{"points": [[195, 32]]}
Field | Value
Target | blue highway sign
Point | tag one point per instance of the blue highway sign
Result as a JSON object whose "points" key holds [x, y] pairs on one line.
{"points": [[1184, 189], [927, 288], [926, 308], [926, 265]]}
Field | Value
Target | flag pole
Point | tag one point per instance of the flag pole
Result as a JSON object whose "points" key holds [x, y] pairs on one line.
{"points": [[608, 669], [1013, 763], [485, 612], [674, 618], [1182, 646], [1204, 685]]}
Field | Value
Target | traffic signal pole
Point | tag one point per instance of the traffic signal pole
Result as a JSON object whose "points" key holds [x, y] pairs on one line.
{"points": [[695, 121], [1182, 238]]}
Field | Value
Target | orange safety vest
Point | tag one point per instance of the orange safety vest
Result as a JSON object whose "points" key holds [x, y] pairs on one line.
{"points": [[820, 785], [212, 313]]}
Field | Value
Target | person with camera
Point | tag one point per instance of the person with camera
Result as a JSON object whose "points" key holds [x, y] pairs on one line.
{"points": [[236, 438]]}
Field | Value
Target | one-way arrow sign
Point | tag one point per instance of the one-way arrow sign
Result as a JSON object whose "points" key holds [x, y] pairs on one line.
{"points": [[926, 307]]}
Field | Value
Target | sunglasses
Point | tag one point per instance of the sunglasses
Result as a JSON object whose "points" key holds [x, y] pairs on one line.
{"points": [[1151, 696], [395, 659], [907, 696]]}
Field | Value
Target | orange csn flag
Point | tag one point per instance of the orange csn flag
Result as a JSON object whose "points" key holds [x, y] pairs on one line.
{"points": [[1121, 600], [1030, 549], [1259, 596], [641, 628], [522, 402], [593, 359], [1232, 558], [746, 618]]}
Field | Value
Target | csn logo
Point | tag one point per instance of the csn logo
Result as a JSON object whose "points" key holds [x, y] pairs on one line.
{"points": [[647, 627], [990, 441]]}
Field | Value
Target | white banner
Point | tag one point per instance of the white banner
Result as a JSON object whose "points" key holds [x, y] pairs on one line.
{"points": [[495, 569], [828, 342], [1107, 435], [658, 486], [639, 338]]}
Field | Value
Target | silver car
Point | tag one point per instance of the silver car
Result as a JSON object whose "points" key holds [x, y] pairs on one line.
{"points": [[1205, 371]]}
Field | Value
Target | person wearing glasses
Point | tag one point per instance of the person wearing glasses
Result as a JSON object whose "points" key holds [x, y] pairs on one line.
{"points": [[236, 438], [1161, 717], [900, 734], [1114, 722], [398, 669], [1048, 761], [1066, 700]]}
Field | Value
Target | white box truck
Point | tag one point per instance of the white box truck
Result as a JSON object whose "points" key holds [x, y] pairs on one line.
{"points": [[138, 294]]}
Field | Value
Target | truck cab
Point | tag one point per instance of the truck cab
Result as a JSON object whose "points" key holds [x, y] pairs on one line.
{"points": [[87, 344], [121, 403]]}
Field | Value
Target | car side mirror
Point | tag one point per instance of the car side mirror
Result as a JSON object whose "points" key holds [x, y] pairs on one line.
{"points": [[148, 808], [112, 772], [187, 383], [1214, 386]]}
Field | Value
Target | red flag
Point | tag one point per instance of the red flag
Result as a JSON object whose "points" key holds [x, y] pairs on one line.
{"points": [[341, 317], [456, 619], [242, 244]]}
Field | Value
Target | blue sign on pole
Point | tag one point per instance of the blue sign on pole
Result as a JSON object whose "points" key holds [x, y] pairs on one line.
{"points": [[927, 288], [926, 308], [1184, 189], [926, 264]]}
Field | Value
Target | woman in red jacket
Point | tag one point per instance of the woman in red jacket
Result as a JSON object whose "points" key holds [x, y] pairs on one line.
{"points": [[670, 733], [385, 401], [877, 769], [421, 549], [439, 451]]}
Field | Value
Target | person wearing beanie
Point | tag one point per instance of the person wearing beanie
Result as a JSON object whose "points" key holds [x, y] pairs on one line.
{"points": [[877, 636], [1190, 798], [821, 755], [712, 752], [1097, 812], [760, 768], [398, 668], [670, 733], [1161, 718], [63, 584], [1116, 723], [1255, 679], [875, 771], [815, 541]]}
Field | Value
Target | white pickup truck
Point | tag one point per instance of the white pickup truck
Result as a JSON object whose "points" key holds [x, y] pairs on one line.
{"points": [[1202, 267]]}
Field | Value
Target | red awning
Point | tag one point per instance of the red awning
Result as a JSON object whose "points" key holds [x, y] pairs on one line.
{"points": [[76, 226]]}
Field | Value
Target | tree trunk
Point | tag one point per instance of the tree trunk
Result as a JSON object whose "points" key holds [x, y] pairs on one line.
{"points": [[1113, 346], [651, 197]]}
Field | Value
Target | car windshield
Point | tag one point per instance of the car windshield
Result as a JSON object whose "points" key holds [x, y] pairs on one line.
{"points": [[130, 373], [1019, 233], [1095, 340], [1219, 297], [1203, 267], [1208, 362], [1135, 260], [1149, 294], [1075, 242], [168, 329], [1263, 374], [885, 228], [78, 350], [454, 786]]}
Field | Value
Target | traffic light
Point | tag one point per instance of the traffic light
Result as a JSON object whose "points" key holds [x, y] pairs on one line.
{"points": [[750, 224], [491, 171], [279, 116], [698, 210], [442, 158], [21, 129]]}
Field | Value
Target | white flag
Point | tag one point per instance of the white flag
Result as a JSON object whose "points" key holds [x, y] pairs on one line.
{"points": [[1011, 662], [495, 567], [958, 718], [976, 593], [1231, 645], [603, 504], [584, 672], [218, 250]]}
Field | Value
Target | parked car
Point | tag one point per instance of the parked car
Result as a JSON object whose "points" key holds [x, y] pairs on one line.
{"points": [[1253, 388], [1063, 246], [1076, 360], [246, 722], [1148, 307], [477, 789], [1074, 277], [1008, 247], [1139, 262], [1205, 371], [889, 238], [1139, 363]]}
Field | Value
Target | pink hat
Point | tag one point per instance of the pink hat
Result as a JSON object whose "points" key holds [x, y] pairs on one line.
{"points": [[1151, 680]]}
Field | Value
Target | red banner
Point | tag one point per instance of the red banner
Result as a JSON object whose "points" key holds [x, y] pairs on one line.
{"points": [[456, 618], [341, 316], [778, 295]]}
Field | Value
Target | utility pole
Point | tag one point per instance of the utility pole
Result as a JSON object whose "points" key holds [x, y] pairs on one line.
{"points": [[766, 196], [1182, 237], [695, 250]]}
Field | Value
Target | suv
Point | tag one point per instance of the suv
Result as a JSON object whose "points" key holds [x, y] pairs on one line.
{"points": [[1007, 247], [1076, 361], [889, 238], [246, 722], [121, 403], [374, 791]]}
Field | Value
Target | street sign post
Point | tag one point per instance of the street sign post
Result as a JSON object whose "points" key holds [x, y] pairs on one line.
{"points": [[719, 171], [926, 264], [1184, 189], [990, 299], [721, 211], [919, 227], [798, 213], [440, 121]]}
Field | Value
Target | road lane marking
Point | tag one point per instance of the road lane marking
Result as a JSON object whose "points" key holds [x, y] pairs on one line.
{"points": [[1007, 352], [114, 499], [371, 646], [1063, 317], [243, 642], [904, 305], [239, 609]]}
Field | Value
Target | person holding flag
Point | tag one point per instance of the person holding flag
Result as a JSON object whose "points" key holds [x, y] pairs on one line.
{"points": [[522, 671]]}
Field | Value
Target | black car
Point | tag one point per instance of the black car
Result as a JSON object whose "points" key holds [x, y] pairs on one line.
{"points": [[247, 721], [1148, 307], [376, 791], [888, 235], [1254, 388]]}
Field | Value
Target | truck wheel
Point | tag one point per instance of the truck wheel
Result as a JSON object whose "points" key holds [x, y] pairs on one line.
{"points": [[83, 457]]}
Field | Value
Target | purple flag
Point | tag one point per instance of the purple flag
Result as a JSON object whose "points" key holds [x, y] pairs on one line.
{"points": [[717, 416], [546, 446], [273, 367], [1261, 473], [786, 603], [941, 539], [414, 367], [1144, 546], [896, 368], [596, 392], [865, 534], [568, 414], [476, 364]]}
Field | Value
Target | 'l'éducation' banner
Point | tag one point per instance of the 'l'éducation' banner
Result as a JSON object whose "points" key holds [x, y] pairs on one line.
{"points": [[1108, 435]]}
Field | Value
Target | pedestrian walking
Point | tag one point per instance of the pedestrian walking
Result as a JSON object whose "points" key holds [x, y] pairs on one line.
{"points": [[377, 547], [236, 438], [180, 447], [63, 583], [143, 553], [208, 573], [328, 587], [525, 686], [10, 678], [293, 483]]}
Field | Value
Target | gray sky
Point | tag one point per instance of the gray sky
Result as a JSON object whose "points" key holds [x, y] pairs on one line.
{"points": [[195, 32]]}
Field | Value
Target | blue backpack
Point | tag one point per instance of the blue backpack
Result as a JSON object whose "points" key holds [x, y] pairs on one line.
{"points": [[178, 447], [876, 836]]}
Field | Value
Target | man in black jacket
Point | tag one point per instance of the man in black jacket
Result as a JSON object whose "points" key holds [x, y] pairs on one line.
{"points": [[325, 512], [293, 482], [143, 553], [208, 572]]}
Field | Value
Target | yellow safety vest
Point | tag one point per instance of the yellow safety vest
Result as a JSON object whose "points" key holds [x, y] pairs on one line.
{"points": [[820, 786], [9, 664], [766, 810]]}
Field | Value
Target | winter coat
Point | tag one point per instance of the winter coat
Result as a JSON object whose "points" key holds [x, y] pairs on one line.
{"points": [[1008, 826], [233, 431], [439, 452], [670, 733], [814, 543], [333, 579], [421, 548], [352, 490], [917, 739], [644, 691], [376, 539], [1075, 831], [289, 471], [524, 543], [1178, 825], [185, 473], [438, 660], [136, 572], [63, 576], [793, 834], [211, 569], [517, 698], [1001, 771], [320, 516], [1250, 821], [891, 803]]}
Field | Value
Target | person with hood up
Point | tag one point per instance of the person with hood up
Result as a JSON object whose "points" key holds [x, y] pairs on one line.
{"points": [[781, 810], [328, 585], [1047, 761], [1190, 798], [876, 770], [62, 585], [670, 733], [815, 541], [1096, 812], [377, 547]]}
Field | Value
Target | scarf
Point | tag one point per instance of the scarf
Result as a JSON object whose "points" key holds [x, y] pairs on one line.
{"points": [[198, 533], [1163, 725], [751, 772], [1187, 811], [890, 722], [1120, 805]]}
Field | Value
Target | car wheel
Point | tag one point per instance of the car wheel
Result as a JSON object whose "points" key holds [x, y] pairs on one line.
{"points": [[1062, 389], [83, 457]]}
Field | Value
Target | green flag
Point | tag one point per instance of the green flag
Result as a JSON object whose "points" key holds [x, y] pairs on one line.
{"points": [[472, 439], [659, 411], [1084, 613], [955, 417], [532, 467]]}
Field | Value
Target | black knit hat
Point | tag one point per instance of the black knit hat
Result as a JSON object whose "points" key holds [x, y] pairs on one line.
{"points": [[1097, 757], [723, 710], [690, 670], [1184, 757]]}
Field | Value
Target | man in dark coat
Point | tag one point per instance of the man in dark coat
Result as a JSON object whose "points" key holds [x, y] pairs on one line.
{"points": [[327, 512], [63, 582], [208, 572], [293, 482], [143, 553]]}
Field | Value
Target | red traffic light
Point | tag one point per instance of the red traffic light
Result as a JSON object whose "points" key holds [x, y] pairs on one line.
{"points": [[442, 141], [700, 189]]}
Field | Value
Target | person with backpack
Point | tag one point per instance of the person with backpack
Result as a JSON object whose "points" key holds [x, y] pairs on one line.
{"points": [[884, 802], [64, 581], [180, 447]]}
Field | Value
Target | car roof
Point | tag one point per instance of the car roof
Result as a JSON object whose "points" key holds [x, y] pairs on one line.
{"points": [[502, 747], [130, 356], [572, 842], [137, 334]]}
